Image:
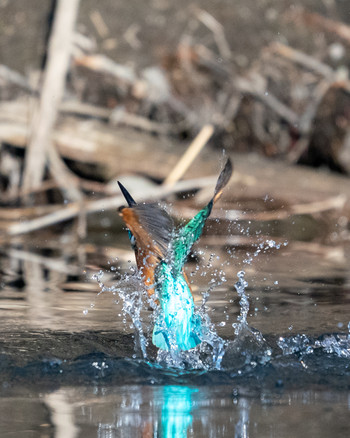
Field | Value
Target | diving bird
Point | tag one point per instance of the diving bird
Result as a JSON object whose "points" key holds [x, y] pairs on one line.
{"points": [[161, 251]]}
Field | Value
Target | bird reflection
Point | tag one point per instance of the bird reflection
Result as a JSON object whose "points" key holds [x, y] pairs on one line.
{"points": [[170, 411], [176, 416]]}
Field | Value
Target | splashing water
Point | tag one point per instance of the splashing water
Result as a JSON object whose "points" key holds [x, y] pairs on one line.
{"points": [[302, 345], [129, 289], [241, 286], [207, 355], [262, 248], [249, 348], [213, 352]]}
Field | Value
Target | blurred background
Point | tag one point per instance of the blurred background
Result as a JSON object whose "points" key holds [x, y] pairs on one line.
{"points": [[156, 93], [126, 80]]}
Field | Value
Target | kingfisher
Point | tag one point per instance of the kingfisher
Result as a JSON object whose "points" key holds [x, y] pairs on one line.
{"points": [[161, 252]]}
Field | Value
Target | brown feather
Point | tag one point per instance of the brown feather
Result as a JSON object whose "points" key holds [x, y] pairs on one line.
{"points": [[152, 229], [151, 226], [147, 269]]}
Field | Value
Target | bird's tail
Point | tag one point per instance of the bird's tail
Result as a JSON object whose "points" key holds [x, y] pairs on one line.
{"points": [[188, 234], [223, 179]]}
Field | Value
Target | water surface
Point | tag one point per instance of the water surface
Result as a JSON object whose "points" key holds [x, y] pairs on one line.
{"points": [[70, 366]]}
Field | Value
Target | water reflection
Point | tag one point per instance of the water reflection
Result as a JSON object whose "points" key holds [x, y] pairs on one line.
{"points": [[242, 426], [169, 413], [46, 288], [176, 416], [42, 299], [177, 412], [62, 414]]}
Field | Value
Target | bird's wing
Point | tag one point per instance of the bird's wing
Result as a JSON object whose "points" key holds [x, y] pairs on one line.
{"points": [[151, 227]]}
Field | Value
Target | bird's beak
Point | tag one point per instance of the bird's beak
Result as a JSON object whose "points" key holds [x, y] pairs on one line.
{"points": [[126, 195]]}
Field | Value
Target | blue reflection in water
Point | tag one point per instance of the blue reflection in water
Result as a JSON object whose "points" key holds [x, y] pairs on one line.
{"points": [[242, 426], [176, 415]]}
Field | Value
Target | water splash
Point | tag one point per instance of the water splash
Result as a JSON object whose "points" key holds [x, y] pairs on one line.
{"points": [[302, 345], [134, 298], [295, 344], [262, 248], [207, 355], [98, 278], [129, 291], [336, 344], [241, 287], [249, 347], [214, 353]]}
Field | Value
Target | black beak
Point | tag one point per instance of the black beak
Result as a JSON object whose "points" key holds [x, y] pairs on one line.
{"points": [[127, 195]]}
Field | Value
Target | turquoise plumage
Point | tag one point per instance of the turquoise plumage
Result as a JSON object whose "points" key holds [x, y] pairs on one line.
{"points": [[161, 252], [176, 326]]}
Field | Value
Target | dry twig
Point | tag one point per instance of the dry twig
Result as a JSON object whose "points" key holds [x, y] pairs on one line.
{"points": [[218, 31], [104, 64], [302, 59], [320, 22], [11, 76], [306, 121], [72, 210], [251, 87], [52, 91], [192, 151], [99, 23]]}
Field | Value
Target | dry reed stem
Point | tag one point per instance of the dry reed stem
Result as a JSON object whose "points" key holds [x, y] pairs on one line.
{"points": [[191, 153], [73, 209], [59, 51]]}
